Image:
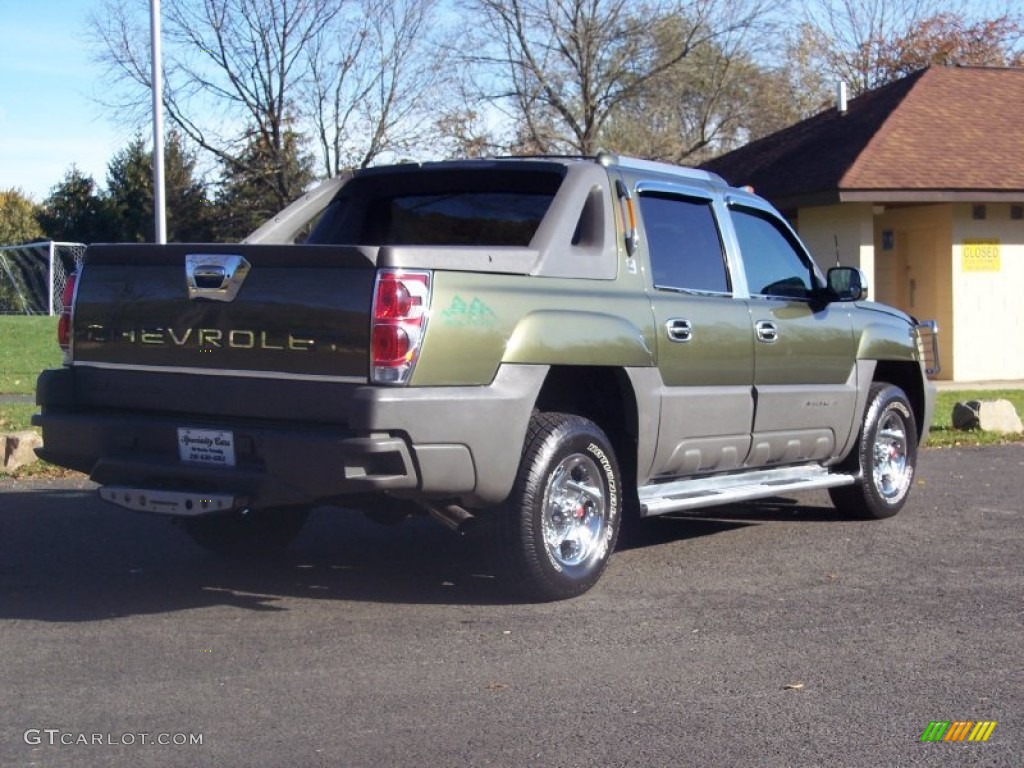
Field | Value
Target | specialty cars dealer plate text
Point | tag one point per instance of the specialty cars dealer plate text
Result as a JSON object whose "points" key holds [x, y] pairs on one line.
{"points": [[207, 446]]}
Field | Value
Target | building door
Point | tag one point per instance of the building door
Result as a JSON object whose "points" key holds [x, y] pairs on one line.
{"points": [[890, 278], [921, 277]]}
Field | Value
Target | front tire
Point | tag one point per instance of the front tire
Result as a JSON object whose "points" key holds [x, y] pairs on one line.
{"points": [[886, 456], [247, 533], [558, 528]]}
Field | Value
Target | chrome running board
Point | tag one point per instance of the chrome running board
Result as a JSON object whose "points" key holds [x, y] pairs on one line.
{"points": [[681, 495]]}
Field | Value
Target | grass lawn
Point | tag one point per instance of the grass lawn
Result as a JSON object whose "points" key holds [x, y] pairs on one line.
{"points": [[15, 417], [27, 346], [943, 434]]}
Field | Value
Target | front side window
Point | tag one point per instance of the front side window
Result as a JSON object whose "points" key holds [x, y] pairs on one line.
{"points": [[682, 239], [774, 264]]}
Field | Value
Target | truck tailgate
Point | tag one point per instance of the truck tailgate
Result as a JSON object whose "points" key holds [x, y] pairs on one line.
{"points": [[256, 311]]}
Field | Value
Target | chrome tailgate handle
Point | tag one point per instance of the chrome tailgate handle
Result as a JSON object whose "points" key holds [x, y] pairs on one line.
{"points": [[215, 276]]}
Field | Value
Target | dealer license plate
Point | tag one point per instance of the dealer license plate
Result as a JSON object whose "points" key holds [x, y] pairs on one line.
{"points": [[211, 447]]}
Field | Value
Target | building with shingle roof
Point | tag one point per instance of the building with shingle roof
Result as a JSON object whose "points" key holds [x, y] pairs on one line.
{"points": [[920, 183]]}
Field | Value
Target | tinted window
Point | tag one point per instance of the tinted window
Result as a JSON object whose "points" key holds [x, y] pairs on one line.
{"points": [[471, 218], [682, 238], [457, 207], [773, 263]]}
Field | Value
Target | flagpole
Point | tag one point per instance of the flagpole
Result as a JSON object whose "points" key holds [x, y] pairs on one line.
{"points": [[159, 215]]}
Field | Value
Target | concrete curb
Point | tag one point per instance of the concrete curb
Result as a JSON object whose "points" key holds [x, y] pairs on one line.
{"points": [[974, 386]]}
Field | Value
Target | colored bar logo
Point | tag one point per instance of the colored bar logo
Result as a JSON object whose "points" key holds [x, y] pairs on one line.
{"points": [[958, 730]]}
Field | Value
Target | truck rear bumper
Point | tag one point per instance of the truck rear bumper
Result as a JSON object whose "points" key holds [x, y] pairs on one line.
{"points": [[426, 442], [274, 467]]}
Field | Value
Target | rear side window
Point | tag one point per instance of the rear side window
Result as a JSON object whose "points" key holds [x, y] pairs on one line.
{"points": [[774, 264], [458, 218], [684, 245], [486, 206]]}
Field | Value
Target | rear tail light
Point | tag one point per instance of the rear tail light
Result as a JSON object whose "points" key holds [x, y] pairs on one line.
{"points": [[401, 300], [64, 323]]}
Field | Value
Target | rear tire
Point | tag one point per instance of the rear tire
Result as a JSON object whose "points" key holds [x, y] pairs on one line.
{"points": [[886, 456], [247, 533], [557, 530]]}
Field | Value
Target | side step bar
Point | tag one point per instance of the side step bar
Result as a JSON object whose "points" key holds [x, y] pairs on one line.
{"points": [[178, 503], [681, 495]]}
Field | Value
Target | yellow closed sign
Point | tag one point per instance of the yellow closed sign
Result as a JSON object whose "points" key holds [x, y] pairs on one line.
{"points": [[981, 255]]}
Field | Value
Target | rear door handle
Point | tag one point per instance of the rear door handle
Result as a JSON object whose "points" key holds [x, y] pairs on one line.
{"points": [[767, 331], [679, 330]]}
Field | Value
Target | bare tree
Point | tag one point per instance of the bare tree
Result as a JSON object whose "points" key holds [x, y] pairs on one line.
{"points": [[868, 43], [347, 73], [711, 101], [375, 94], [808, 82], [463, 132], [563, 68], [950, 39]]}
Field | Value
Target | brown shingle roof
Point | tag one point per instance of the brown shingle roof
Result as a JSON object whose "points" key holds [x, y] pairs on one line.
{"points": [[940, 130]]}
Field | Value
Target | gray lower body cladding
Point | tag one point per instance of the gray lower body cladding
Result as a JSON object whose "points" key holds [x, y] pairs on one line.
{"points": [[436, 442], [274, 466]]}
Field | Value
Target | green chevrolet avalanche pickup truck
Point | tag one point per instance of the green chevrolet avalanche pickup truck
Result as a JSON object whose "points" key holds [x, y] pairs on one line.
{"points": [[540, 346]]}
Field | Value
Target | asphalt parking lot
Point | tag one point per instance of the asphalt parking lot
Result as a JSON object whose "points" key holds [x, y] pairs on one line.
{"points": [[781, 636]]}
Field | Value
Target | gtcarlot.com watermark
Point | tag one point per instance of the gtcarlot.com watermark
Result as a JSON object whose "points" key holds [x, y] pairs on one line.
{"points": [[55, 737]]}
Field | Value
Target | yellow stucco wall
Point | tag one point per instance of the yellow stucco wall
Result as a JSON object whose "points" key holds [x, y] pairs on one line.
{"points": [[906, 254], [850, 224], [988, 295], [914, 258]]}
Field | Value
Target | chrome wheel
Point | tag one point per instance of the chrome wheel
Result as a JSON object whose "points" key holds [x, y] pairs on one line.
{"points": [[558, 527], [575, 512], [885, 459], [890, 469]]}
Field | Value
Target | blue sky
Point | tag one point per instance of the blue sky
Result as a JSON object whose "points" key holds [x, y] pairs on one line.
{"points": [[49, 119]]}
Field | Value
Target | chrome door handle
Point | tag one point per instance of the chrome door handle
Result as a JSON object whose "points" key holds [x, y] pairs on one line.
{"points": [[679, 330], [767, 331]]}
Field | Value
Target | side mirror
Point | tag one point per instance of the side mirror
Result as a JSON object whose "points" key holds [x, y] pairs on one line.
{"points": [[847, 283]]}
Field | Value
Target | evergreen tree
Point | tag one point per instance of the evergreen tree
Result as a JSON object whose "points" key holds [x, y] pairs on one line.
{"points": [[129, 199], [258, 185], [74, 211], [190, 208]]}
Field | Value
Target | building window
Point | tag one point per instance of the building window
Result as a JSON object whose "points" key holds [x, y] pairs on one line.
{"points": [[978, 212], [1017, 212]]}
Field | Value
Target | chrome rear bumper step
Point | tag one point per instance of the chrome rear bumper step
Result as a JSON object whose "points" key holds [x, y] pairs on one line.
{"points": [[682, 495], [178, 503]]}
